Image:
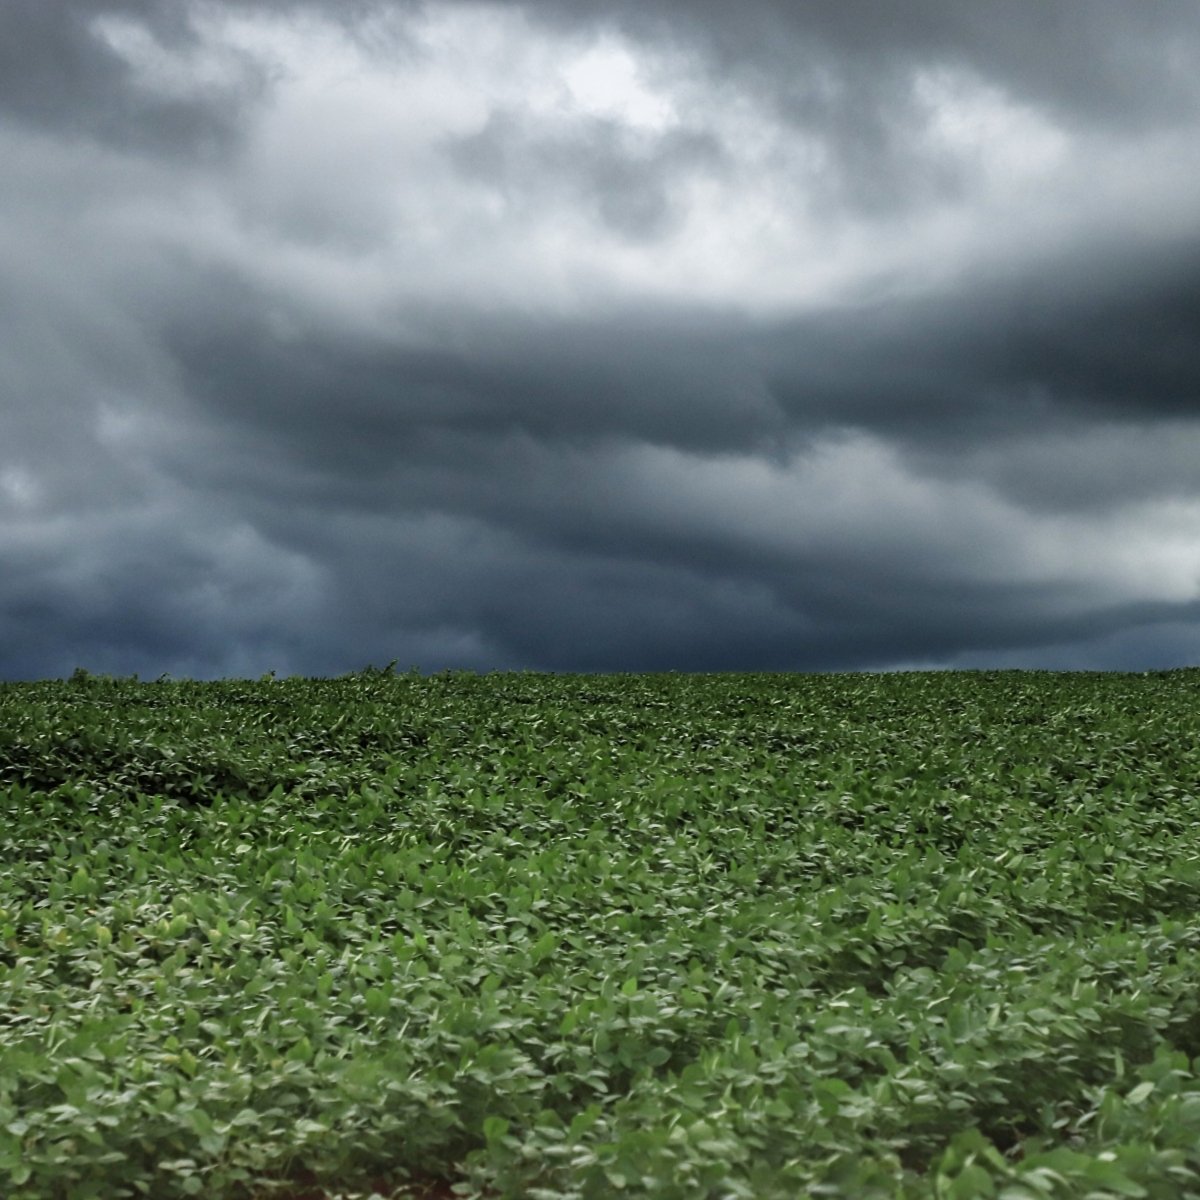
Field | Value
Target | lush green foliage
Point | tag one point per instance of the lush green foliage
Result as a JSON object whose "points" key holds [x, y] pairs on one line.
{"points": [[742, 936]]}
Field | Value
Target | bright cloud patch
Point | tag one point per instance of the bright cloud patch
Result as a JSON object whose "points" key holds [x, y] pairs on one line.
{"points": [[466, 155]]}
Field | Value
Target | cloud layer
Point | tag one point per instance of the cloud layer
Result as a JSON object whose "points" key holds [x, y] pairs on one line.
{"points": [[598, 336]]}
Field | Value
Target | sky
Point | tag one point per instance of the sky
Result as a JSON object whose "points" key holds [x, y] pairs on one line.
{"points": [[598, 335]]}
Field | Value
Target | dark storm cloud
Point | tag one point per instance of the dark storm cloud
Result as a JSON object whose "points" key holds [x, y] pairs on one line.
{"points": [[1072, 342], [517, 435], [824, 337], [1075, 339], [354, 399]]}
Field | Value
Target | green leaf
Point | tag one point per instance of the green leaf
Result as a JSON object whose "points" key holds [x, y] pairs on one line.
{"points": [[972, 1181], [302, 1051], [544, 947], [494, 1128]]}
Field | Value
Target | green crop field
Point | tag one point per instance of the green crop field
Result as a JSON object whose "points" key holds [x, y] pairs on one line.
{"points": [[689, 937]]}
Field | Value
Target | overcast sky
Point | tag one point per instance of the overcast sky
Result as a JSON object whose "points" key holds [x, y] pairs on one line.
{"points": [[598, 335]]}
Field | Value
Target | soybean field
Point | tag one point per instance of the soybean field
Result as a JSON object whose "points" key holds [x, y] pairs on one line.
{"points": [[724, 937]]}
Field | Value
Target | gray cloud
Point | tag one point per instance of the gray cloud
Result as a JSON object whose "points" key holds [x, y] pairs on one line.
{"points": [[844, 70], [1103, 61], [598, 336], [627, 181], [58, 73]]}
